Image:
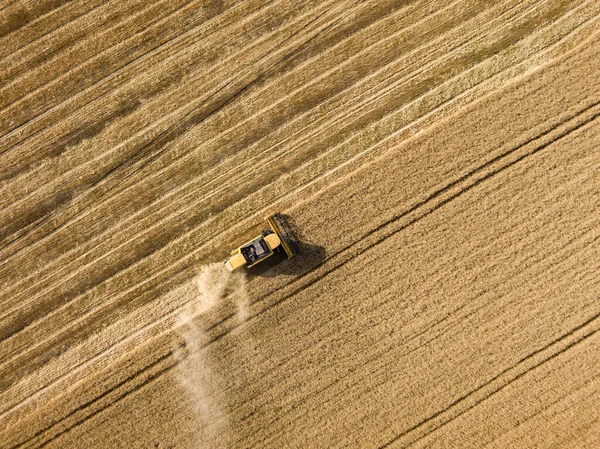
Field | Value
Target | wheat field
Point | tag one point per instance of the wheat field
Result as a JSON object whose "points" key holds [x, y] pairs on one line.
{"points": [[438, 162]]}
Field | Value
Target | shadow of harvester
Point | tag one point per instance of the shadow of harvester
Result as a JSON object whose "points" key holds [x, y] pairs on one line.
{"points": [[308, 257]]}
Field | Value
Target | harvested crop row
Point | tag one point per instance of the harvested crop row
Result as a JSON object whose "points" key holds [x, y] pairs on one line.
{"points": [[452, 144]]}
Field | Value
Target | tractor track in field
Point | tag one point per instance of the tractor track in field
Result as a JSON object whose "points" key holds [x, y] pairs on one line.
{"points": [[454, 143], [432, 197], [460, 180], [490, 388]]}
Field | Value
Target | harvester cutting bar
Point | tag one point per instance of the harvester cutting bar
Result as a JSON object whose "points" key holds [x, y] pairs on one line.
{"points": [[279, 227]]}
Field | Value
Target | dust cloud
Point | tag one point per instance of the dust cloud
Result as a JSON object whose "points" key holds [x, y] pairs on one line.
{"points": [[196, 372]]}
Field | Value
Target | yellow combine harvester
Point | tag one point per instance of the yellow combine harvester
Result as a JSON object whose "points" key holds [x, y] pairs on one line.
{"points": [[271, 241]]}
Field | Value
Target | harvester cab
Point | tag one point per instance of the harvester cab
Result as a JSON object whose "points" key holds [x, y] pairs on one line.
{"points": [[275, 240]]}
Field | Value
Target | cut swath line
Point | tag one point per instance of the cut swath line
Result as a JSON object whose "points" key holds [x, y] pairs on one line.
{"points": [[8, 35], [16, 73], [60, 78], [187, 106], [174, 42], [132, 219], [268, 151], [140, 60], [219, 337], [140, 211], [460, 192], [181, 108], [433, 202]]}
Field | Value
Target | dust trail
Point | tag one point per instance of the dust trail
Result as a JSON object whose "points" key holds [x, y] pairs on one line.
{"points": [[198, 372]]}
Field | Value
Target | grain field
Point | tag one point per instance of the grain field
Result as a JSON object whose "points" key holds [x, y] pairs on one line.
{"points": [[438, 161]]}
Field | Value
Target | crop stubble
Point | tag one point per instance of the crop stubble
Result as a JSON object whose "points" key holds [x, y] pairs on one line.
{"points": [[443, 154]]}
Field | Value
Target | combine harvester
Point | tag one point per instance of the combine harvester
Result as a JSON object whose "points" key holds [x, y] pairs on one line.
{"points": [[272, 241]]}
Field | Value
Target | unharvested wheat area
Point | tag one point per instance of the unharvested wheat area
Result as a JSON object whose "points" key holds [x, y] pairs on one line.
{"points": [[438, 162]]}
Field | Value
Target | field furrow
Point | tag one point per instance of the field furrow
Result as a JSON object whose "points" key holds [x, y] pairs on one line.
{"points": [[437, 162]]}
